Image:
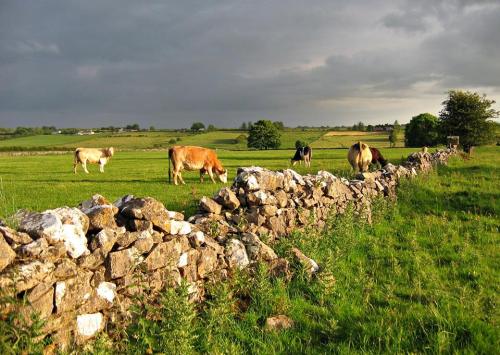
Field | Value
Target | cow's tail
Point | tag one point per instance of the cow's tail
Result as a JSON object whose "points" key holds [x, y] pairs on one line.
{"points": [[76, 158], [170, 151]]}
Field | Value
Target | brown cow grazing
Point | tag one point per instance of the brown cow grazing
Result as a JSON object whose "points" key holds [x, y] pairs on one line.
{"points": [[359, 157], [195, 158], [302, 153], [92, 155], [377, 157]]}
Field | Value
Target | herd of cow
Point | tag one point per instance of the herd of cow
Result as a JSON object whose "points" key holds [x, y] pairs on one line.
{"points": [[205, 160]]}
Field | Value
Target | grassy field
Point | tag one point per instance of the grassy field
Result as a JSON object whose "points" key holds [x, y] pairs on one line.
{"points": [[217, 139], [39, 182], [423, 278]]}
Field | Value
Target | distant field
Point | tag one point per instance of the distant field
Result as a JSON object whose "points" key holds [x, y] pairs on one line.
{"points": [[216, 139], [41, 182]]}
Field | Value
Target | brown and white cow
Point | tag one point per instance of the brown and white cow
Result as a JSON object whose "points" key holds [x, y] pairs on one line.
{"points": [[92, 155], [195, 158], [359, 157]]}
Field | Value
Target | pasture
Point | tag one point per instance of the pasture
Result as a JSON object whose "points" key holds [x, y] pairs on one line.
{"points": [[39, 182], [160, 140]]}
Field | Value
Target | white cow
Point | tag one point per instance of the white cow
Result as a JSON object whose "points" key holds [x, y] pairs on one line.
{"points": [[92, 155]]}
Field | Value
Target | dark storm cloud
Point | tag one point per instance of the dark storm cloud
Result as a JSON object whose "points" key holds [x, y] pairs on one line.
{"points": [[95, 63]]}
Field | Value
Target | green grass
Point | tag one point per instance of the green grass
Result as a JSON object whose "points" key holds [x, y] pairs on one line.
{"points": [[39, 182], [423, 278]]}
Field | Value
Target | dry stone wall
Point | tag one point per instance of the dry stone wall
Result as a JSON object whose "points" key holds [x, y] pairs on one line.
{"points": [[82, 268]]}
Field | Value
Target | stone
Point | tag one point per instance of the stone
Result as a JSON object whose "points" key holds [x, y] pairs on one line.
{"points": [[106, 239], [70, 294], [34, 248], [144, 242], [122, 201], [126, 239], [207, 262], [236, 254], [7, 255], [309, 264], [14, 237], [65, 269], [26, 276], [102, 216], [256, 249], [42, 225], [75, 240], [209, 205], [227, 198], [177, 216], [119, 263], [88, 325], [139, 225], [180, 227], [148, 209], [163, 255], [281, 198], [71, 215], [277, 225], [260, 198], [280, 267], [268, 210], [92, 261], [253, 216], [279, 322]]}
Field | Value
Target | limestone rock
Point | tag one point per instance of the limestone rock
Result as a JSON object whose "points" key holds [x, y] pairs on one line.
{"points": [[72, 293], [148, 209], [209, 205], [88, 325], [14, 237], [236, 254], [102, 216], [256, 249], [34, 248], [163, 255], [119, 263], [278, 323], [180, 227], [42, 225], [227, 198], [207, 262], [7, 255], [309, 264], [26, 276]]}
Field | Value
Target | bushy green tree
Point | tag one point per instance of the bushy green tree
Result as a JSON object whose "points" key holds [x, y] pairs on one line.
{"points": [[300, 144], [197, 126], [393, 137], [468, 115], [263, 135], [211, 128], [422, 131], [279, 125]]}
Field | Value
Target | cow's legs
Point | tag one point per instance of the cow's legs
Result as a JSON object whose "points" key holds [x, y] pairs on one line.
{"points": [[211, 174], [202, 172], [84, 165], [74, 167], [101, 166]]}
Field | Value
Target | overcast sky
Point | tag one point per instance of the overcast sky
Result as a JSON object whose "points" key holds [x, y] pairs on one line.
{"points": [[96, 63]]}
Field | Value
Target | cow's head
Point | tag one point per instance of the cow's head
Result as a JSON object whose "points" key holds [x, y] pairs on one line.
{"points": [[223, 176], [110, 151]]}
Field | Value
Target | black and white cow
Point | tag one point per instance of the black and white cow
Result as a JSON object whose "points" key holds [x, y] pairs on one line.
{"points": [[302, 153]]}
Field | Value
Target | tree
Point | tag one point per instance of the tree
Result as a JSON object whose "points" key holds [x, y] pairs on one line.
{"points": [[300, 144], [249, 125], [152, 128], [396, 126], [468, 115], [197, 126], [369, 128], [211, 127], [393, 137], [133, 127], [263, 135], [243, 126], [279, 125], [422, 131]]}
